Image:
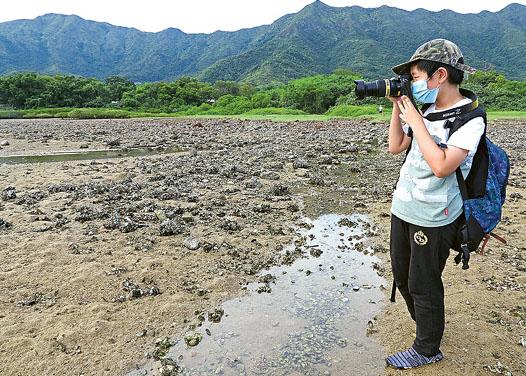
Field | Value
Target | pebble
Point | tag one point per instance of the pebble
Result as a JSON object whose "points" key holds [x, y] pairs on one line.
{"points": [[193, 338], [169, 227], [192, 243]]}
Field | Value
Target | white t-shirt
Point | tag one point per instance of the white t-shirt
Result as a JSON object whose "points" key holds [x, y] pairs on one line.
{"points": [[420, 197]]}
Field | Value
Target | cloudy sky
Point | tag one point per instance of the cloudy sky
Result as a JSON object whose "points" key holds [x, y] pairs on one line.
{"points": [[206, 16]]}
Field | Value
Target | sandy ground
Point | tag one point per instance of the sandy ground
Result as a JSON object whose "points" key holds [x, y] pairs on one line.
{"points": [[78, 233]]}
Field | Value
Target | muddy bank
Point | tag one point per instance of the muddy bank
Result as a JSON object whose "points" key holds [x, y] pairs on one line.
{"points": [[100, 258]]}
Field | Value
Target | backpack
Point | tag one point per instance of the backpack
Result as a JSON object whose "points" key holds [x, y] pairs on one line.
{"points": [[483, 191]]}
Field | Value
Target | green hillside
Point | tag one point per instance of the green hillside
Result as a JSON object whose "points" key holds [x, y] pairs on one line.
{"points": [[317, 39]]}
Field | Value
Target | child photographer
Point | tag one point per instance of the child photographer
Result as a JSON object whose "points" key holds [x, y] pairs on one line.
{"points": [[427, 205]]}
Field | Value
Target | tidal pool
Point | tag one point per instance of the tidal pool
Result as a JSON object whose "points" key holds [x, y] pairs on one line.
{"points": [[314, 321], [80, 155]]}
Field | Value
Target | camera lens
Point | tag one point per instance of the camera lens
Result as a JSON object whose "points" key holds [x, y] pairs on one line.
{"points": [[371, 89], [378, 88]]}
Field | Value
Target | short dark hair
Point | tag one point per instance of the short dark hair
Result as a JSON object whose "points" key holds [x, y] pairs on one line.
{"points": [[454, 75]]}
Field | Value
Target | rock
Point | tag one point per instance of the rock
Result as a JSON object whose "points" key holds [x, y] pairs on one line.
{"points": [[316, 180], [327, 160], [300, 163], [114, 142], [135, 291], [216, 315], [267, 278], [161, 216], [113, 222], [262, 208], [193, 338], [270, 175], [4, 224], [192, 243], [31, 198], [253, 183], [169, 368], [128, 225], [162, 345], [187, 217], [515, 196], [279, 190], [293, 208], [169, 227], [351, 148], [85, 213], [230, 225], [9, 193], [316, 252], [4, 143], [371, 328], [264, 288]]}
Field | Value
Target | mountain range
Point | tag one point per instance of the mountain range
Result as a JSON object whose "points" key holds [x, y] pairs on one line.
{"points": [[317, 39]]}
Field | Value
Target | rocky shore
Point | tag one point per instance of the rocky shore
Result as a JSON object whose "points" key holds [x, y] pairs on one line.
{"points": [[100, 258]]}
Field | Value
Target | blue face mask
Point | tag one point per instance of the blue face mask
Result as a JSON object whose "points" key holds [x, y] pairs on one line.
{"points": [[421, 93]]}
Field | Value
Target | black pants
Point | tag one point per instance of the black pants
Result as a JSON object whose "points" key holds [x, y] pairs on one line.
{"points": [[418, 257]]}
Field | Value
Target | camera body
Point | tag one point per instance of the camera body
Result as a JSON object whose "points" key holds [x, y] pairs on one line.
{"points": [[393, 87]]}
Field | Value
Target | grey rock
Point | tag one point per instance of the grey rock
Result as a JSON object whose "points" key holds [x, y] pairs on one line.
{"points": [[279, 190], [253, 183], [128, 225], [300, 163], [270, 175], [9, 193], [114, 142], [4, 224], [169, 227], [192, 243]]}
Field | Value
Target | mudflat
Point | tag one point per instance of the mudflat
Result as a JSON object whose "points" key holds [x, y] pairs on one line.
{"points": [[103, 254]]}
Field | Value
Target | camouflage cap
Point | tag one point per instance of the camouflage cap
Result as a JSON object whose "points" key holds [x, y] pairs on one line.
{"points": [[439, 50]]}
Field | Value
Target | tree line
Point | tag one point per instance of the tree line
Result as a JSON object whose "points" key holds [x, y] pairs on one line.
{"points": [[187, 95]]}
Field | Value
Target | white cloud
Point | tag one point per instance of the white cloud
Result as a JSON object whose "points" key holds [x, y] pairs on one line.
{"points": [[209, 15]]}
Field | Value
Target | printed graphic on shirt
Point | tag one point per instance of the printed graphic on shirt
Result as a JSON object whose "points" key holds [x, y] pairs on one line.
{"points": [[420, 238]]}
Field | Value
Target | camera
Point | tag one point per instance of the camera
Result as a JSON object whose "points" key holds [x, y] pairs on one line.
{"points": [[394, 87]]}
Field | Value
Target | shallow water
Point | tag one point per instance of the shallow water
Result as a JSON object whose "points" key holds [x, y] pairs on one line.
{"points": [[79, 155], [313, 324]]}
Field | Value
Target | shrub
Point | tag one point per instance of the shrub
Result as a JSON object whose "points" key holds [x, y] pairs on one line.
{"points": [[10, 114], [96, 113], [348, 110], [275, 111]]}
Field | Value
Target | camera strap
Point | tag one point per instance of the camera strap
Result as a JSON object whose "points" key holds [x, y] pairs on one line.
{"points": [[452, 112]]}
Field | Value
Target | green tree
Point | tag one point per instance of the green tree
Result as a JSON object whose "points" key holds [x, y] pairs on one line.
{"points": [[117, 86]]}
